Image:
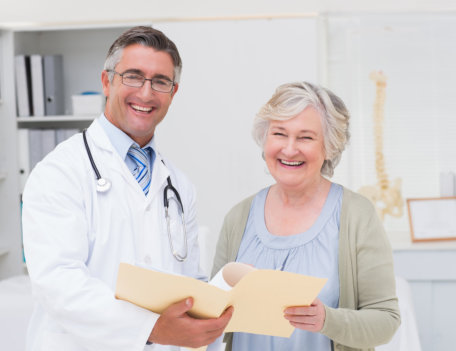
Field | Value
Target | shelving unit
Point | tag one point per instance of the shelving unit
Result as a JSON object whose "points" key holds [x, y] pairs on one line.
{"points": [[83, 50]]}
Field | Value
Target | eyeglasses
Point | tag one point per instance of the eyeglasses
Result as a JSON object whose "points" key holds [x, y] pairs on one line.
{"points": [[135, 80]]}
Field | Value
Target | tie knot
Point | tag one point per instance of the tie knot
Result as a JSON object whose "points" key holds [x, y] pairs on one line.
{"points": [[135, 148], [141, 171]]}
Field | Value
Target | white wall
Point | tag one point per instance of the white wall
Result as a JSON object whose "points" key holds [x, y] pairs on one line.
{"points": [[416, 54], [14, 12], [230, 69]]}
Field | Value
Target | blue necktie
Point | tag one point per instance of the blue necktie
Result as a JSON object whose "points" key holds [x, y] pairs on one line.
{"points": [[141, 172]]}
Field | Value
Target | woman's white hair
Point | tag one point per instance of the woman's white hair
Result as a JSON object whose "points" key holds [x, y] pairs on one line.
{"points": [[291, 99]]}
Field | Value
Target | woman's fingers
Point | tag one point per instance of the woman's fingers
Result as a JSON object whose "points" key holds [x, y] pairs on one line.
{"points": [[310, 318]]}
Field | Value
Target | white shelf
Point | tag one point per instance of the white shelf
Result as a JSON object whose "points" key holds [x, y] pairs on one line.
{"points": [[52, 119], [67, 121], [401, 241]]}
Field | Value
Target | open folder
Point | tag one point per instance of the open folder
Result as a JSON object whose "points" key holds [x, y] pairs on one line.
{"points": [[259, 296]]}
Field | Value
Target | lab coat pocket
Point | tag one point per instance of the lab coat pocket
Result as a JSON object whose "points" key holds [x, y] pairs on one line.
{"points": [[58, 341]]}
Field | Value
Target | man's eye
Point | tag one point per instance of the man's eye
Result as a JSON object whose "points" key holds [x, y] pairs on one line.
{"points": [[133, 77], [162, 82]]}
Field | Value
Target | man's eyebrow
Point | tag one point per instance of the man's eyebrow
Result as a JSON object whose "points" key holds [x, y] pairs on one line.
{"points": [[133, 70], [163, 76], [138, 71]]}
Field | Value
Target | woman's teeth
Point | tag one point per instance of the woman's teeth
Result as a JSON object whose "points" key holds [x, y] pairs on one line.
{"points": [[291, 163], [141, 108]]}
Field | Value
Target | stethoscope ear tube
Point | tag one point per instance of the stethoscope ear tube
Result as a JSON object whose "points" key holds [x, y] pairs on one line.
{"points": [[103, 184], [176, 193]]}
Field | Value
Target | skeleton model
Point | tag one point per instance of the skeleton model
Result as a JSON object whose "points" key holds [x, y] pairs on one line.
{"points": [[385, 196]]}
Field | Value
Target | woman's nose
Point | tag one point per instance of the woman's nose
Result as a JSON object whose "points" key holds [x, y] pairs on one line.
{"points": [[290, 148]]}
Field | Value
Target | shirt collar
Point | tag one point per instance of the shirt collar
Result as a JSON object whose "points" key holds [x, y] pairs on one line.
{"points": [[119, 139]]}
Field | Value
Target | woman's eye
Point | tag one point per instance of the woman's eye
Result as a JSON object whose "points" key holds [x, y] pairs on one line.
{"points": [[278, 134]]}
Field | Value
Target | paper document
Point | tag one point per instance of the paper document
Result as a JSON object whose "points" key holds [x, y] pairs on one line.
{"points": [[259, 296]]}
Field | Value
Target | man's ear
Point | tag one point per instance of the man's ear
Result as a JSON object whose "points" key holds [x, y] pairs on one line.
{"points": [[175, 88], [105, 83]]}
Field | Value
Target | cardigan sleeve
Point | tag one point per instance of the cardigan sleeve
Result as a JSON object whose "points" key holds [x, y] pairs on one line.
{"points": [[231, 234], [368, 313], [221, 253]]}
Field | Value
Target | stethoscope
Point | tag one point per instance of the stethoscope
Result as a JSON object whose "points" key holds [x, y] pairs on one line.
{"points": [[103, 185]]}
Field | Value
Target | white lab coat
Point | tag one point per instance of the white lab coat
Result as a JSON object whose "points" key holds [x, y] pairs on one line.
{"points": [[75, 238]]}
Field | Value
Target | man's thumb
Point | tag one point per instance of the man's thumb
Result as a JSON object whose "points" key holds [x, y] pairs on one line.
{"points": [[181, 307]]}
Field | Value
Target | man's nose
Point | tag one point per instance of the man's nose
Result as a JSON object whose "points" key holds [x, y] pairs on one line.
{"points": [[146, 89]]}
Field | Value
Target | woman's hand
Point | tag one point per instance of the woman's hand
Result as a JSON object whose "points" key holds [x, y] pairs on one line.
{"points": [[310, 318]]}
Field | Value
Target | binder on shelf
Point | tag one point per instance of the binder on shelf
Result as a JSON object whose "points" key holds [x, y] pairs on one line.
{"points": [[47, 141], [53, 85], [35, 144], [36, 69], [23, 85], [23, 156], [34, 147], [64, 134]]}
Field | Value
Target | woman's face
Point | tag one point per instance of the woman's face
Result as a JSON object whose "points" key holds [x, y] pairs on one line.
{"points": [[294, 149]]}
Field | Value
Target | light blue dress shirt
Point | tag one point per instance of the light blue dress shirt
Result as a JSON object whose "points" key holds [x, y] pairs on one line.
{"points": [[314, 252], [122, 143]]}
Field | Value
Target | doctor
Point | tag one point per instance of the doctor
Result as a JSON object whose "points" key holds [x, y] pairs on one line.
{"points": [[75, 235]]}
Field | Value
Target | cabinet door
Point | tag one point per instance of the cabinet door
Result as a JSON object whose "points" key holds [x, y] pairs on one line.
{"points": [[10, 234]]}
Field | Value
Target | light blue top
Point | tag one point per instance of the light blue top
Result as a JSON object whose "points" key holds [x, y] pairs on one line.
{"points": [[314, 252], [122, 142]]}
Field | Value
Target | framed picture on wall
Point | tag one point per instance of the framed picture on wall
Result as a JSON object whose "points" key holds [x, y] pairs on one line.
{"points": [[432, 219]]}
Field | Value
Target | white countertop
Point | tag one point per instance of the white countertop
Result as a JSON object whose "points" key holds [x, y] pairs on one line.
{"points": [[401, 240]]}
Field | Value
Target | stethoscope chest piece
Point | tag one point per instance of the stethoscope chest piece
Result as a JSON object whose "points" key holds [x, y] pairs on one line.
{"points": [[103, 185]]}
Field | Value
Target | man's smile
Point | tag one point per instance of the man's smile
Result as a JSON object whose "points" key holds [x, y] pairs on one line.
{"points": [[141, 108]]}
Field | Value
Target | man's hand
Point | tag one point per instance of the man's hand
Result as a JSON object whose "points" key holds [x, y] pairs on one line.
{"points": [[311, 318], [176, 327]]}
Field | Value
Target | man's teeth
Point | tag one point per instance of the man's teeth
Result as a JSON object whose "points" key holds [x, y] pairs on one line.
{"points": [[141, 108], [291, 163]]}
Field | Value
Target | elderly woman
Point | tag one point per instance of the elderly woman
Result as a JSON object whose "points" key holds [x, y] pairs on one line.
{"points": [[306, 224]]}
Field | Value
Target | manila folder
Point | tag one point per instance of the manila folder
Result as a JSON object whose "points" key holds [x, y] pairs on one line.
{"points": [[259, 297]]}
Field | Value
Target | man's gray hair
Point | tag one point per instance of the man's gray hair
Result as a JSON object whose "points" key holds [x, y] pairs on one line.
{"points": [[146, 36]]}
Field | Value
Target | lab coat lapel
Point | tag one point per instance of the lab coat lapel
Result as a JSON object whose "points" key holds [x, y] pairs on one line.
{"points": [[159, 174], [114, 163]]}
